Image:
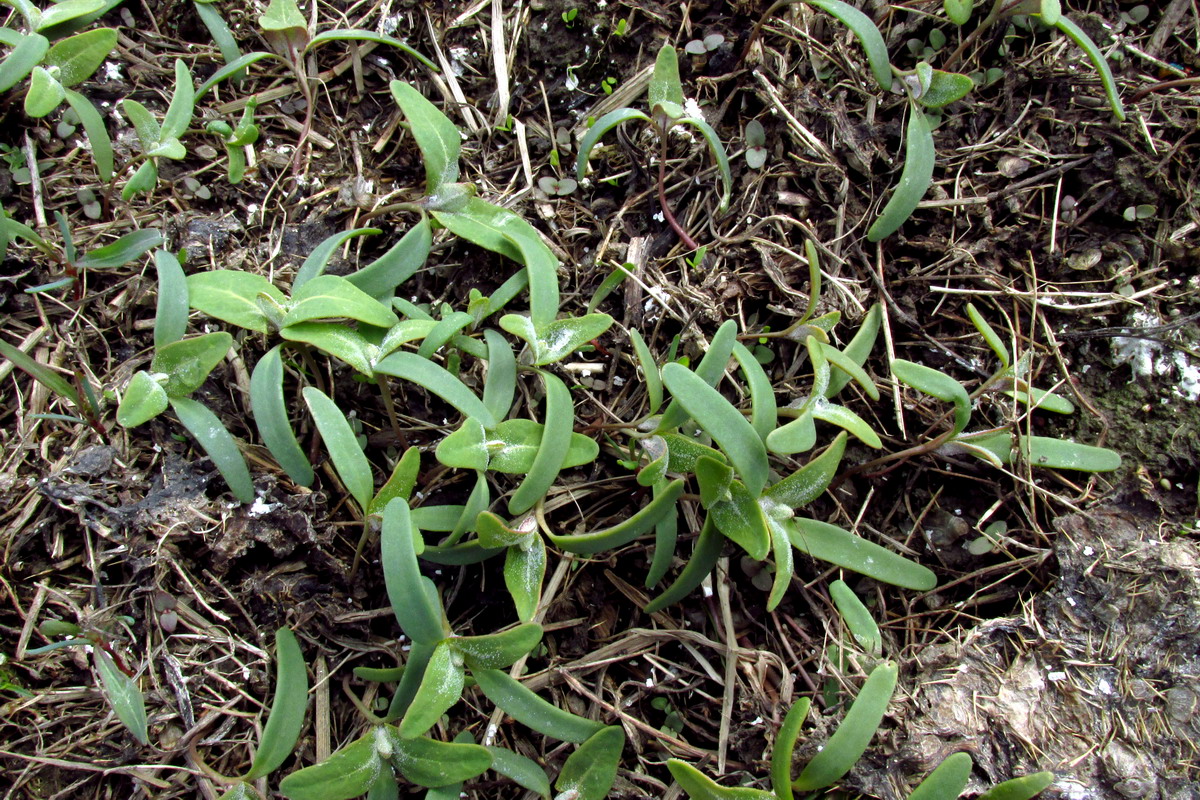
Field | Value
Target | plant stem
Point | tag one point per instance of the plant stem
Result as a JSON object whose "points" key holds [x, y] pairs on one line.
{"points": [[386, 393], [688, 241]]}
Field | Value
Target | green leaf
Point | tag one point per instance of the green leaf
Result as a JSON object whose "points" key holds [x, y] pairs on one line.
{"points": [[437, 138], [188, 362], [171, 311], [742, 521], [338, 340], [719, 155], [764, 414], [59, 13], [624, 532], [41, 373], [650, 374], [142, 181], [867, 34], [269, 408], [221, 35], [144, 399], [347, 773], [357, 35], [936, 384], [1051, 11], [435, 379], [602, 126], [498, 650], [414, 670], [318, 259], [513, 446], [231, 296], [419, 615], [592, 768], [959, 11], [785, 564], [500, 381], [286, 719], [20, 62], [78, 56], [704, 557], [1045, 451], [495, 532], [1046, 401], [945, 88], [807, 483], [443, 331], [124, 250], [381, 277], [401, 482], [785, 745], [1024, 788], [830, 543], [844, 418], [858, 349], [477, 503], [989, 335], [44, 93], [666, 91], [282, 15], [710, 369], [123, 695], [947, 781], [850, 740], [183, 104], [347, 456], [700, 787], [237, 68], [1099, 62], [334, 297], [525, 772], [552, 453], [686, 452], [560, 338], [240, 791], [144, 123], [797, 436], [524, 571], [430, 763], [857, 618], [722, 422], [915, 178], [714, 477], [527, 708], [212, 436], [441, 687]]}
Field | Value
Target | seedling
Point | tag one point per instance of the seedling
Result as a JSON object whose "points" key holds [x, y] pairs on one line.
{"points": [[666, 111], [160, 140], [756, 141]]}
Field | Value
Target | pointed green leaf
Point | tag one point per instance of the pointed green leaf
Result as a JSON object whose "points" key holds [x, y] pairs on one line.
{"points": [[441, 687], [742, 521], [513, 445], [704, 557], [347, 773], [430, 763], [867, 34], [1045, 451], [97, 134], [710, 369], [846, 419], [347, 456], [700, 787], [282, 15], [124, 250], [719, 155], [420, 617], [915, 178], [20, 62], [552, 452], [525, 772], [435, 379], [858, 349], [183, 104], [602, 126], [624, 532], [989, 335], [286, 719], [334, 297], [500, 381], [560, 338], [381, 277], [1099, 62], [785, 563], [437, 138], [945, 88], [44, 93], [123, 695], [269, 408], [78, 56], [722, 422], [797, 436], [498, 650], [685, 452], [1024, 788], [357, 35], [764, 414], [401, 481], [442, 332], [340, 341], [318, 259], [830, 543], [212, 436], [936, 384], [850, 740], [49, 378], [465, 448], [947, 781], [171, 313], [530, 710], [592, 768], [524, 571], [230, 296], [188, 362], [144, 399], [58, 13], [714, 477], [665, 89], [857, 618], [650, 373], [807, 483]]}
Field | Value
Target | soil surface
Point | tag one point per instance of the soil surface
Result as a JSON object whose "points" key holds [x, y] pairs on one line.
{"points": [[1070, 645]]}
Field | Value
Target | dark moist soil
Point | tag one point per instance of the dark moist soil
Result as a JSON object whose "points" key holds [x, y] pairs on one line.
{"points": [[1072, 647]]}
